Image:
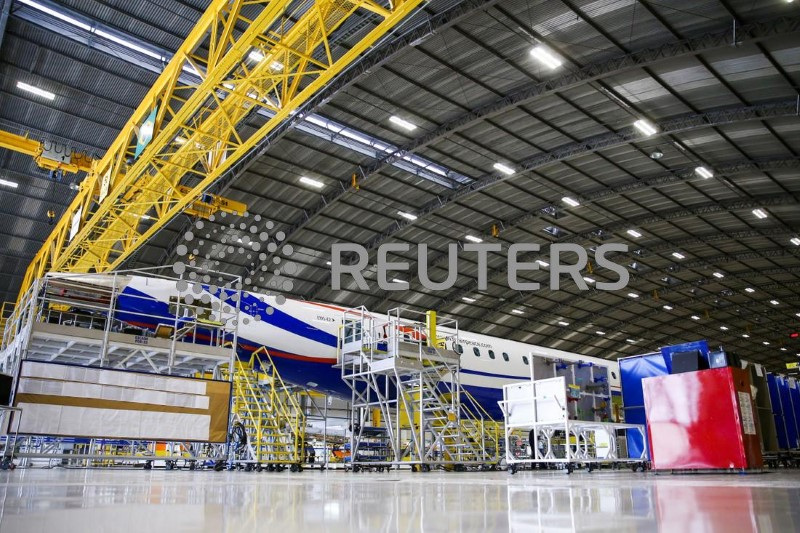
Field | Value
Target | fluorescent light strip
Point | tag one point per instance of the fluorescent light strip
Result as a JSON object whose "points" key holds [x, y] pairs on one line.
{"points": [[518, 311], [468, 299], [505, 169], [546, 57], [311, 183], [718, 275], [668, 307], [35, 90], [774, 302], [569, 201], [562, 323], [406, 125], [724, 328], [748, 289], [634, 233], [760, 213], [600, 332], [703, 172], [398, 280], [409, 216], [588, 280], [678, 255], [795, 241], [543, 263], [473, 238], [745, 336], [695, 317], [11, 184], [633, 295], [645, 127]]}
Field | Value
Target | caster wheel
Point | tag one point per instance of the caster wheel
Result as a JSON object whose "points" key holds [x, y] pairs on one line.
{"points": [[570, 468], [426, 468], [512, 469], [281, 468], [270, 468], [293, 468], [148, 465], [259, 468], [219, 466], [193, 465], [356, 468], [248, 467]]}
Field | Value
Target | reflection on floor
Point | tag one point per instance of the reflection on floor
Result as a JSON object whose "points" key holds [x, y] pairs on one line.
{"points": [[66, 501]]}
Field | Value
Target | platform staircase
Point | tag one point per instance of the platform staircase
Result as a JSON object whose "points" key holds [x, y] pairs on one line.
{"points": [[268, 425]]}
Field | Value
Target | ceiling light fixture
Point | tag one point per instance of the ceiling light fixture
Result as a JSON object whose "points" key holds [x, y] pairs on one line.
{"points": [[766, 343], [570, 201], [745, 335], [634, 233], [760, 213], [795, 241], [600, 332], [11, 184], [703, 172], [543, 263], [546, 57], [406, 125], [409, 216], [724, 328], [35, 90], [562, 323], [311, 182], [276, 66], [633, 295], [668, 307], [678, 255], [774, 302], [505, 169], [749, 289], [695, 317], [398, 280], [718, 275], [645, 127], [588, 280], [468, 299], [631, 341], [518, 311], [473, 238], [256, 56]]}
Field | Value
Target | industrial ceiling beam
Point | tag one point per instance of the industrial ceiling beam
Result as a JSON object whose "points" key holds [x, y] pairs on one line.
{"points": [[610, 67]]}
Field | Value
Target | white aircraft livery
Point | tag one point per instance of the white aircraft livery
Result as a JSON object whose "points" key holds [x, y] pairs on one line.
{"points": [[302, 338]]}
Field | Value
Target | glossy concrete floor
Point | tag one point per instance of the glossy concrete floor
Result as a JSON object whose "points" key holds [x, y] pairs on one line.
{"points": [[65, 501]]}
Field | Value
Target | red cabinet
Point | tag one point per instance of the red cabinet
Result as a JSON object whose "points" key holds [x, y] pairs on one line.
{"points": [[704, 419]]}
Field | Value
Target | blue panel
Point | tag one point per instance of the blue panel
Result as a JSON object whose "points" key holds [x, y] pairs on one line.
{"points": [[700, 346], [777, 411], [788, 413], [632, 370], [794, 395]]}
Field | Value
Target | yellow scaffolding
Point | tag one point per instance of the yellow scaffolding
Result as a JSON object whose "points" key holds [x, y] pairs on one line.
{"points": [[269, 413], [243, 55]]}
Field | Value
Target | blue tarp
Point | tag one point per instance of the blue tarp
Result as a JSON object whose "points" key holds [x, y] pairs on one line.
{"points": [[632, 370]]}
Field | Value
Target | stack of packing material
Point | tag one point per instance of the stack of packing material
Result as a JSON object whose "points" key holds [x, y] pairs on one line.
{"points": [[66, 400]]}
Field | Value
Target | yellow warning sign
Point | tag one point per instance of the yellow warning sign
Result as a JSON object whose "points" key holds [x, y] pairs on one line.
{"points": [[792, 366]]}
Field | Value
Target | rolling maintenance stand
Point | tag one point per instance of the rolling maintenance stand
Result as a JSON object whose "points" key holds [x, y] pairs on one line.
{"points": [[406, 384]]}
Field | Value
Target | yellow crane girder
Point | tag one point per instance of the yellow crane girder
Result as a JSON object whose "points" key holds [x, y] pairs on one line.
{"points": [[53, 157], [245, 55]]}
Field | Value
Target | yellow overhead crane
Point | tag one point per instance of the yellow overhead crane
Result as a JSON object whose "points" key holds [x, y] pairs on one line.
{"points": [[244, 55], [58, 157]]}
